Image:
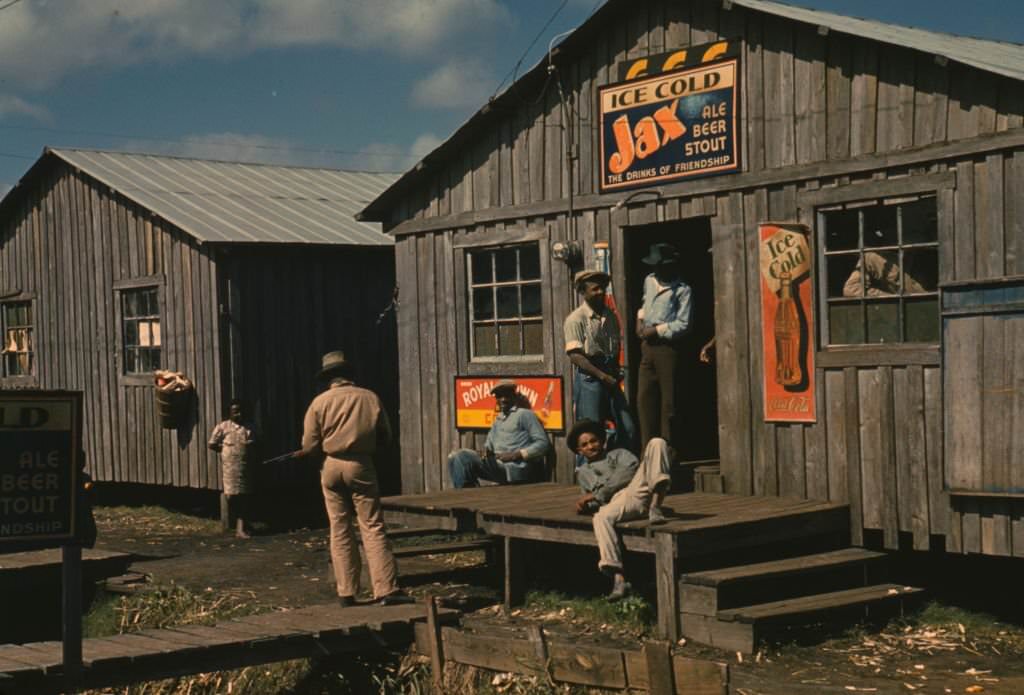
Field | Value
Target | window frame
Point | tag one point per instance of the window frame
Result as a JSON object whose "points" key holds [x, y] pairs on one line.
{"points": [[941, 185], [479, 239], [20, 380], [152, 282], [519, 320]]}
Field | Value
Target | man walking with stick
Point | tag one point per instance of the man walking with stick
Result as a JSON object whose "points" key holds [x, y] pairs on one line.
{"points": [[348, 426]]}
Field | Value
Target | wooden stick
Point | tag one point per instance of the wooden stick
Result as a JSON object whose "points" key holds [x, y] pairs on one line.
{"points": [[660, 674], [436, 645]]}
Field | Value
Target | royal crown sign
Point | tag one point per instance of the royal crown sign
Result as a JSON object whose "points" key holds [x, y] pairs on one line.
{"points": [[672, 126], [476, 408]]}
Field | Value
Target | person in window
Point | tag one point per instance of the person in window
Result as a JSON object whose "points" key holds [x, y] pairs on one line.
{"points": [[233, 439], [879, 275], [347, 425], [617, 487], [662, 322], [592, 341], [513, 450]]}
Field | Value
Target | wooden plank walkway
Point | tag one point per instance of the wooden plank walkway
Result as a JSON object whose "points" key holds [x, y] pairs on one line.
{"points": [[314, 631], [92, 559], [699, 523]]}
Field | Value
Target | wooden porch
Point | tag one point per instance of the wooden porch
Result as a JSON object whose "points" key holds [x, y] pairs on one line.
{"points": [[700, 524]]}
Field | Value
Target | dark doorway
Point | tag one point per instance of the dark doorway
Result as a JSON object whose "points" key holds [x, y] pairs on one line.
{"points": [[697, 402]]}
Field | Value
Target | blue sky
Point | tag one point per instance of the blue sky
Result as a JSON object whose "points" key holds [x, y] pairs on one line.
{"points": [[359, 84]]}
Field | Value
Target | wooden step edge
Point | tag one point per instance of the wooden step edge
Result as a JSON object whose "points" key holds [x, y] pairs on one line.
{"points": [[779, 568], [817, 602], [443, 548]]}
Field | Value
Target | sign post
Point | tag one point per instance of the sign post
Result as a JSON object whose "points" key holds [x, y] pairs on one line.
{"points": [[40, 445]]}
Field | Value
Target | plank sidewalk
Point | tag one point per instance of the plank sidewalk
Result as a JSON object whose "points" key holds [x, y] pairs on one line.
{"points": [[314, 631]]}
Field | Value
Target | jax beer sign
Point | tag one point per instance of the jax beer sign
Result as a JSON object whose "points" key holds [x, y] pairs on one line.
{"points": [[40, 437], [475, 407], [787, 323], [670, 127]]}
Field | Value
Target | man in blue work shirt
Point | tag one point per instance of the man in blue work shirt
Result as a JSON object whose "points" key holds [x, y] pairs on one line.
{"points": [[662, 322], [514, 448]]}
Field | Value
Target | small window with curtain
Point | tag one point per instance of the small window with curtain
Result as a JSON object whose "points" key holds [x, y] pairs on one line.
{"points": [[505, 302], [140, 323], [19, 339], [881, 269]]}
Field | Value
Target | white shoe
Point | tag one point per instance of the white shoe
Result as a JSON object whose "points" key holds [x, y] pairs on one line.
{"points": [[656, 515]]}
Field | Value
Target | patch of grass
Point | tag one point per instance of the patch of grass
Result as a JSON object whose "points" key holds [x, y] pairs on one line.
{"points": [[154, 521], [939, 614], [632, 613]]}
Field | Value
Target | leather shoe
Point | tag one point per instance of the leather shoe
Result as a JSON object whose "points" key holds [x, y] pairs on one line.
{"points": [[346, 601]]}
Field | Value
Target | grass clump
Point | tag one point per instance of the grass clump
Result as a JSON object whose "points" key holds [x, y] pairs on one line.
{"points": [[153, 521], [632, 613]]}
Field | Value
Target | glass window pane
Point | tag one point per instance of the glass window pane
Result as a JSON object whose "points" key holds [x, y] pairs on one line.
{"points": [[841, 230], [840, 271], [880, 225], [26, 313], [150, 359], [533, 338], [529, 262], [481, 262], [129, 361], [920, 270], [131, 304], [883, 322], [505, 265], [920, 221], [846, 323], [484, 344], [922, 320], [131, 333], [483, 304], [508, 302], [509, 339], [152, 303], [10, 315], [531, 300]]}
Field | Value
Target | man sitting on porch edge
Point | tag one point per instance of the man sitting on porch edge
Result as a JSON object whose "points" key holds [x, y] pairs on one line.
{"points": [[619, 488], [513, 450]]}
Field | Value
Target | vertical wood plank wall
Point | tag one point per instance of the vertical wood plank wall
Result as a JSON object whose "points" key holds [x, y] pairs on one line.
{"points": [[69, 243], [806, 99]]}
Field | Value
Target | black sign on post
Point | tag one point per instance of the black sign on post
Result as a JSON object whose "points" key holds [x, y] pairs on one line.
{"points": [[40, 444]]}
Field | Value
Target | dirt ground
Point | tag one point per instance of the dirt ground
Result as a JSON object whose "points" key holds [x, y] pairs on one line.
{"points": [[937, 652]]}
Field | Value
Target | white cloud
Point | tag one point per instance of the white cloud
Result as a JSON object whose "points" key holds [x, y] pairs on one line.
{"points": [[5, 188], [424, 145], [458, 85], [12, 105], [44, 40]]}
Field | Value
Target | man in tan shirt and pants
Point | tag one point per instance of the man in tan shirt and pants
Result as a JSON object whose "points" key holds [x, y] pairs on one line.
{"points": [[348, 426]]}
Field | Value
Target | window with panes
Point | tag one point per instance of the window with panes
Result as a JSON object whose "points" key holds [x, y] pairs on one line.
{"points": [[140, 317], [880, 262], [505, 302], [19, 339]]}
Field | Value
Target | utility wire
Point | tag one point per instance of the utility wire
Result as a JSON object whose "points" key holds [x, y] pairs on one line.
{"points": [[12, 3], [515, 68]]}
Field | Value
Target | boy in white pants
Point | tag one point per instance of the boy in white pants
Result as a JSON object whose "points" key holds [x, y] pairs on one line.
{"points": [[620, 488]]}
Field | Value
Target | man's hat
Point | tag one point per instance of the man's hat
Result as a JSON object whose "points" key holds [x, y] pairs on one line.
{"points": [[582, 427], [597, 276], [503, 385], [332, 362], [661, 254]]}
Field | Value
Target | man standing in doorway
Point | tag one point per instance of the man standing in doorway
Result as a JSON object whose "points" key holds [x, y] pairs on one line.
{"points": [[348, 426], [662, 322], [592, 341]]}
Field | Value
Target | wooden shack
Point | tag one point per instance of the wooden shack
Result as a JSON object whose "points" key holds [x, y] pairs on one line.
{"points": [[238, 275], [866, 137]]}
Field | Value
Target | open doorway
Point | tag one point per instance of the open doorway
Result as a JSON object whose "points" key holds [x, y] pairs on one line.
{"points": [[697, 399]]}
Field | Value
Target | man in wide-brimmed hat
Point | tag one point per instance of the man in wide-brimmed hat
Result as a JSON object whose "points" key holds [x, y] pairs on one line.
{"points": [[592, 342], [617, 487], [513, 451], [348, 426], [662, 322]]}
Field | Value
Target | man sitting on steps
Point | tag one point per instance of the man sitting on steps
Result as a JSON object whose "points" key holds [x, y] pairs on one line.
{"points": [[618, 488]]}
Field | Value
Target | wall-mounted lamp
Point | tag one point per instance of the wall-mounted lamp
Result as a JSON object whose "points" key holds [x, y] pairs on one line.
{"points": [[656, 192], [566, 251]]}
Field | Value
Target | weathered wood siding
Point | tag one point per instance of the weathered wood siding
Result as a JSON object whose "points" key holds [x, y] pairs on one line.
{"points": [[818, 111], [284, 307], [69, 243]]}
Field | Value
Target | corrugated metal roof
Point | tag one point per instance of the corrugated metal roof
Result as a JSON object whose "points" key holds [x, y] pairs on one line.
{"points": [[1000, 57], [231, 202]]}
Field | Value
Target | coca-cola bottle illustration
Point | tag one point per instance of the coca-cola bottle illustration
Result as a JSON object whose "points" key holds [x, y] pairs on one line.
{"points": [[787, 336], [545, 409]]}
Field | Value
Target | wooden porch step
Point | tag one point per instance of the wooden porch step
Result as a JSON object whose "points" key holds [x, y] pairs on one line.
{"points": [[779, 568], [708, 478], [807, 605], [444, 548]]}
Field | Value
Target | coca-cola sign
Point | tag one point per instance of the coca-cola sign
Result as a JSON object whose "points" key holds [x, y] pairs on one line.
{"points": [[787, 323]]}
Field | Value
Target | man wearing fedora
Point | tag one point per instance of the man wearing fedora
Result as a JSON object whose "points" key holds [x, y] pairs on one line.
{"points": [[513, 450], [592, 341], [347, 426], [662, 322]]}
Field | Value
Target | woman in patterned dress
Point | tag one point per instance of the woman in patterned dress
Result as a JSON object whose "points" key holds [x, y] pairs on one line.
{"points": [[233, 440]]}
